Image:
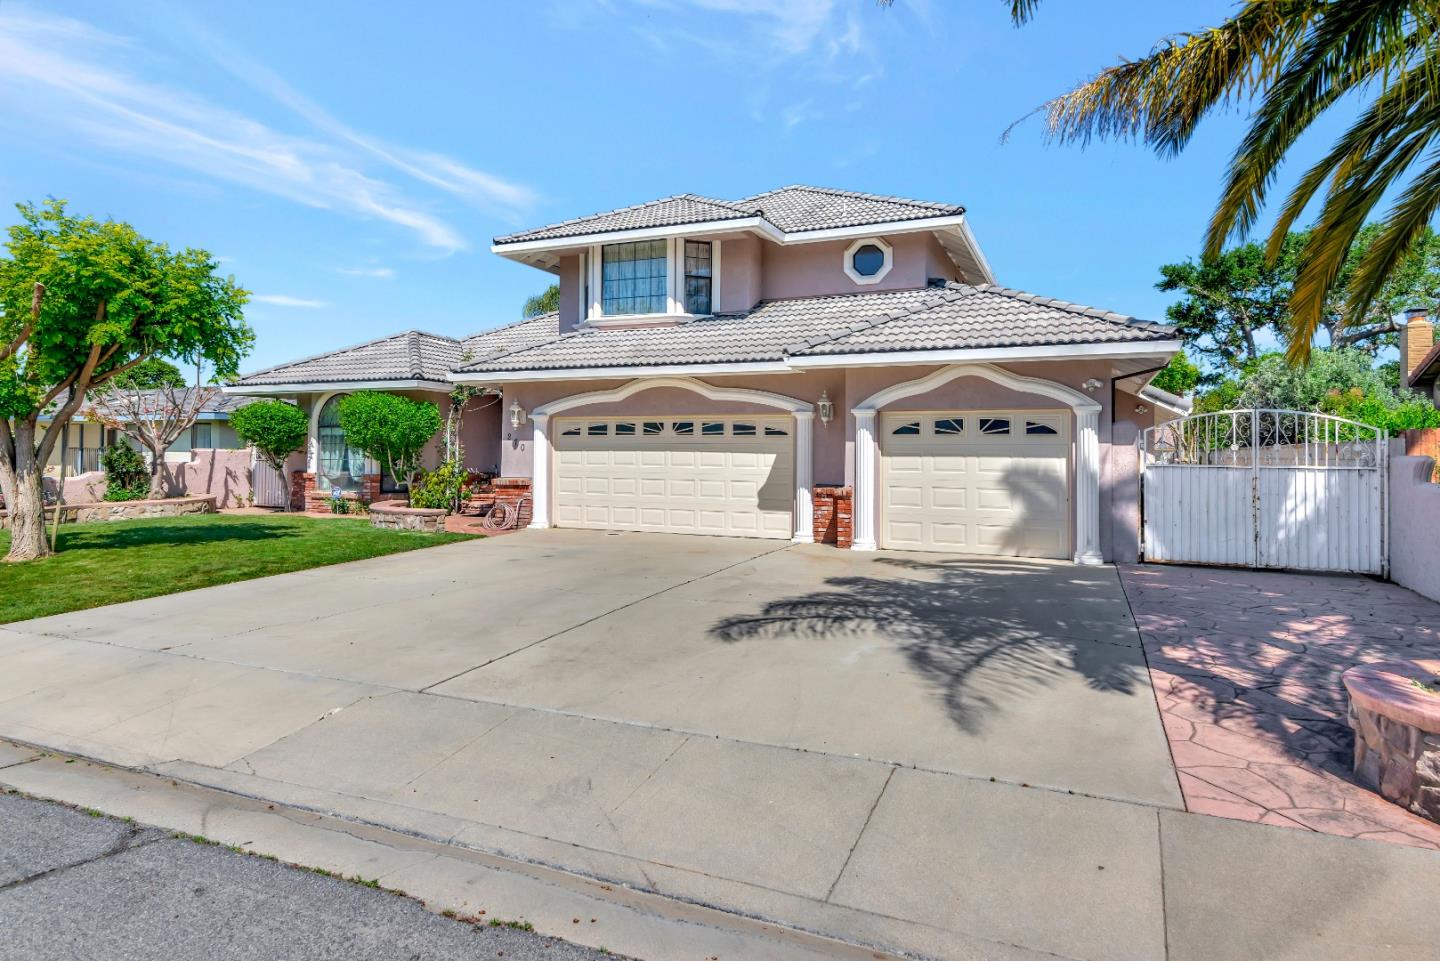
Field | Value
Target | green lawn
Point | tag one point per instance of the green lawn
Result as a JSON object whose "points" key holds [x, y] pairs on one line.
{"points": [[125, 560]]}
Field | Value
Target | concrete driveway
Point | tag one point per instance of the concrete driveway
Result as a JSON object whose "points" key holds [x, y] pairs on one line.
{"points": [[949, 757]]}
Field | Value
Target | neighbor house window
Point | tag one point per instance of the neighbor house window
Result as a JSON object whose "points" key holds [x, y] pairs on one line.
{"points": [[698, 276], [204, 436], [634, 279], [340, 465]]}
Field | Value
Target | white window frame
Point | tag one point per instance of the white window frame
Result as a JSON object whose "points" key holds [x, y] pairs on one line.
{"points": [[885, 268], [594, 312]]}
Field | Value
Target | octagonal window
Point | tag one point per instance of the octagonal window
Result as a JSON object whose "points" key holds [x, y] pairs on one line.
{"points": [[867, 260]]}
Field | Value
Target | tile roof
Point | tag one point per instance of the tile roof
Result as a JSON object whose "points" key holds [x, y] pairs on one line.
{"points": [[934, 318], [412, 355], [796, 208], [961, 316], [799, 208], [666, 212]]}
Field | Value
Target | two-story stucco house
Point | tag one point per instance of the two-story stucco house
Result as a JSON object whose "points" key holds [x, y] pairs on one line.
{"points": [[750, 367]]}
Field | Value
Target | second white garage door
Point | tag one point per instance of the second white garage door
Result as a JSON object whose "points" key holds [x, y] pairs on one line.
{"points": [[731, 476], [976, 482]]}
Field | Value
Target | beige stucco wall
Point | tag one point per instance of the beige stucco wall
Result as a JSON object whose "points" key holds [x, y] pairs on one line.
{"points": [[753, 269], [808, 270]]}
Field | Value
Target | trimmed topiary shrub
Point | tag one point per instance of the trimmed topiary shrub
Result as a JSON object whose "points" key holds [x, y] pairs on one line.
{"points": [[126, 477]]}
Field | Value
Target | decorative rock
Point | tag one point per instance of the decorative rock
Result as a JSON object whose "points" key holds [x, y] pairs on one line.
{"points": [[128, 510], [395, 515], [1397, 732]]}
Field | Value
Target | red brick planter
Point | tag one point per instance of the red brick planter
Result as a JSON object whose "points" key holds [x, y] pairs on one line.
{"points": [[304, 496]]}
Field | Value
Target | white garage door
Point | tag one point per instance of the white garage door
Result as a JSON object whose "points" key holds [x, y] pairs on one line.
{"points": [[976, 482], [729, 476]]}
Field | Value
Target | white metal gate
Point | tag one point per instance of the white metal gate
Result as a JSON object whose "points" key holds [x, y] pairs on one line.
{"points": [[267, 485], [1265, 488]]}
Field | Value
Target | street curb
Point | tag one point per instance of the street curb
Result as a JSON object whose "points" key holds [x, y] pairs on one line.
{"points": [[444, 878]]}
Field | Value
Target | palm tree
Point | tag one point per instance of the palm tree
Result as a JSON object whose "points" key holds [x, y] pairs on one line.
{"points": [[1300, 59]]}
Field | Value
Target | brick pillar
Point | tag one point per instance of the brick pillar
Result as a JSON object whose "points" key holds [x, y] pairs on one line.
{"points": [[824, 514], [834, 515], [369, 488], [302, 485], [844, 518], [512, 490]]}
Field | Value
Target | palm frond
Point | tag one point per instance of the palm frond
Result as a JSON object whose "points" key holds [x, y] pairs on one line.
{"points": [[1409, 218], [1021, 11], [1349, 46], [1347, 206], [1373, 137], [1160, 98]]}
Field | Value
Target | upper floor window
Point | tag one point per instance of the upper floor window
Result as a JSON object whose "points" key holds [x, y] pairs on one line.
{"points": [[867, 261], [698, 276], [634, 278]]}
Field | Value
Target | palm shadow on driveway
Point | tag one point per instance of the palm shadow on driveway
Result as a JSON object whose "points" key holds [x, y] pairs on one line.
{"points": [[983, 633]]}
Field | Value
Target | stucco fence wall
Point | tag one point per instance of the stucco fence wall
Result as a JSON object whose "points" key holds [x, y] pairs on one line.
{"points": [[1415, 525], [222, 474]]}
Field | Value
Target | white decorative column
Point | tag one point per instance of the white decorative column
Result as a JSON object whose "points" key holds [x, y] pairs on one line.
{"points": [[804, 477], [865, 481], [1087, 486], [540, 472]]}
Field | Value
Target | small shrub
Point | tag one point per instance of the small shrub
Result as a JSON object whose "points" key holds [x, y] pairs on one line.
{"points": [[126, 478], [441, 488]]}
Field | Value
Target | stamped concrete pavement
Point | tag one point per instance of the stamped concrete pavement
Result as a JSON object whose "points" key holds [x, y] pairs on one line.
{"points": [[953, 758]]}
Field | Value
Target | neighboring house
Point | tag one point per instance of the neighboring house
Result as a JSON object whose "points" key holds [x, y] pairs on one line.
{"points": [[87, 438], [801, 364], [1420, 355]]}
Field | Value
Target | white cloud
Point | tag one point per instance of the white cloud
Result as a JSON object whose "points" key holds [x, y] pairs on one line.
{"points": [[284, 300], [380, 273], [784, 28], [63, 73]]}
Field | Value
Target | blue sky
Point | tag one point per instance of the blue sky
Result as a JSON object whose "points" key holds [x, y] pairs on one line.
{"points": [[350, 162]]}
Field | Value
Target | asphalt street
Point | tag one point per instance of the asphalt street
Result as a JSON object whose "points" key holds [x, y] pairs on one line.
{"points": [[81, 885]]}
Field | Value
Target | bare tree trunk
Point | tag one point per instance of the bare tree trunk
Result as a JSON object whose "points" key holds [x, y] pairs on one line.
{"points": [[27, 511], [157, 475]]}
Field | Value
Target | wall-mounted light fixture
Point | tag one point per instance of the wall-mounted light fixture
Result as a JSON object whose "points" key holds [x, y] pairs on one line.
{"points": [[1093, 384], [826, 408], [517, 414]]}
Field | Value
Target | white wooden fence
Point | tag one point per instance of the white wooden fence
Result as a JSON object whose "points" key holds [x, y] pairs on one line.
{"points": [[1265, 488]]}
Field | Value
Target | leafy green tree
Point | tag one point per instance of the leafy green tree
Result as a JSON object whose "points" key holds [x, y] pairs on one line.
{"points": [[390, 429], [1343, 381], [276, 430], [1227, 301], [1412, 413], [1179, 377], [1415, 282], [82, 302], [150, 374], [545, 302], [1303, 60]]}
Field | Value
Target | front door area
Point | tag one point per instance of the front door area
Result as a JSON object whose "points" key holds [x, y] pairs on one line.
{"points": [[720, 475], [976, 482]]}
